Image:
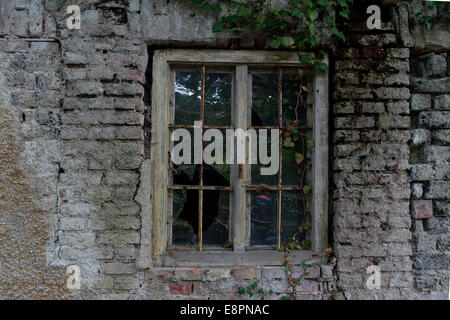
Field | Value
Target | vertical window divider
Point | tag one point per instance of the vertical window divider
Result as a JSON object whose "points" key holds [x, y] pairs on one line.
{"points": [[320, 153], [200, 193], [239, 216]]}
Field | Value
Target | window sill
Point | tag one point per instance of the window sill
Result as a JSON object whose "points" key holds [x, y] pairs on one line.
{"points": [[174, 258]]}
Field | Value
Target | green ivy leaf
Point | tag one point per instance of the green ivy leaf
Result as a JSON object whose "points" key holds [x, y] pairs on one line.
{"points": [[307, 189], [322, 66], [312, 14], [296, 12], [218, 27], [345, 14], [338, 33], [323, 3], [306, 244], [287, 41], [276, 43], [308, 3], [284, 13], [329, 19], [213, 8], [288, 143], [243, 11], [307, 58]]}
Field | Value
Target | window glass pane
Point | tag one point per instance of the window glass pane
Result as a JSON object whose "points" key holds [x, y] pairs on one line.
{"points": [[215, 205], [264, 109], [184, 206], [188, 97], [216, 214], [185, 174], [293, 159], [292, 209], [218, 99], [294, 98], [263, 224]]}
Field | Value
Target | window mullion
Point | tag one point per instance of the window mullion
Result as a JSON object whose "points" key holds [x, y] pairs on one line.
{"points": [[200, 193], [240, 210], [320, 161]]}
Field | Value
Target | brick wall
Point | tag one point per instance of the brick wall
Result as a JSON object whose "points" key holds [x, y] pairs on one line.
{"points": [[30, 95]]}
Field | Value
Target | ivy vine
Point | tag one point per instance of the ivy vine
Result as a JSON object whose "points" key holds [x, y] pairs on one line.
{"points": [[293, 27], [427, 20]]}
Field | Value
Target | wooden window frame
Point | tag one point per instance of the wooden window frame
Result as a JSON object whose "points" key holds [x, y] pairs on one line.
{"points": [[162, 103]]}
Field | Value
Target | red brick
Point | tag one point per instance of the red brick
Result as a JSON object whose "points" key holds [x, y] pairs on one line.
{"points": [[189, 274], [422, 209], [373, 53], [183, 289], [159, 274], [311, 272], [308, 286]]}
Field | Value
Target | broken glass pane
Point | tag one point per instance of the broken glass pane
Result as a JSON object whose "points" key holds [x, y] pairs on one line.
{"points": [[182, 230], [215, 205]]}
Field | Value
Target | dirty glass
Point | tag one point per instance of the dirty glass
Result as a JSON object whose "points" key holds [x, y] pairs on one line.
{"points": [[182, 230], [264, 108], [291, 214], [188, 97]]}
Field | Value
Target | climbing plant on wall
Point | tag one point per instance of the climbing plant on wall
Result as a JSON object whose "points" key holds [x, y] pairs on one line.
{"points": [[294, 26], [428, 20]]}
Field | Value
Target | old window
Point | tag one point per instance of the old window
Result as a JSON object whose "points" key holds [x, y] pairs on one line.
{"points": [[226, 212]]}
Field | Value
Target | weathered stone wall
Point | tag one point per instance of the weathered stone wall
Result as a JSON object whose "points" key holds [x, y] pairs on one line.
{"points": [[430, 170], [74, 129], [372, 221], [30, 96]]}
